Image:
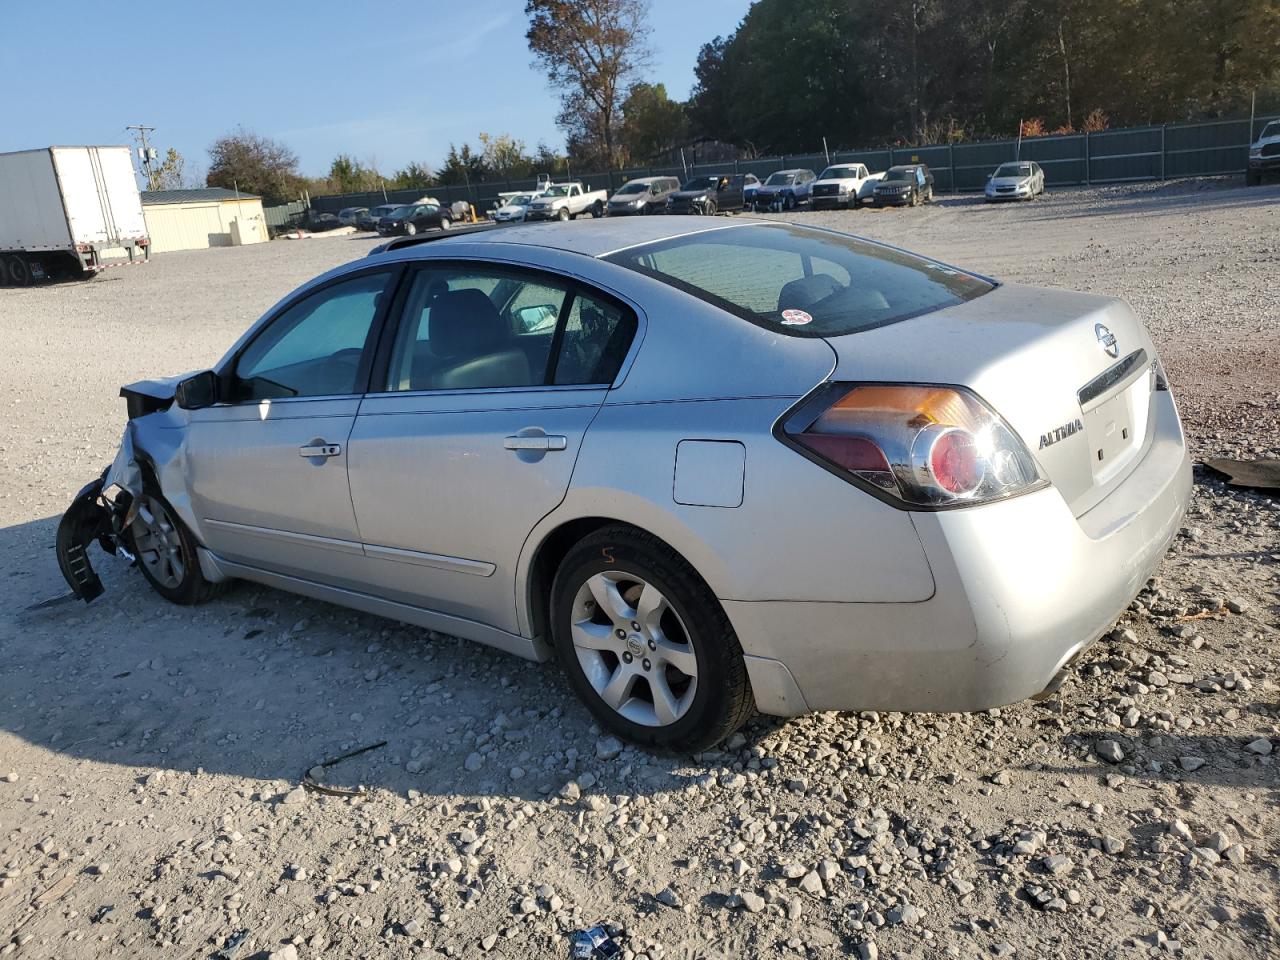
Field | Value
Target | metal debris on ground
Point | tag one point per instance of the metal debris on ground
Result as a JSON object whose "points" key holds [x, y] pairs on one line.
{"points": [[311, 783], [1262, 474], [598, 943], [232, 947]]}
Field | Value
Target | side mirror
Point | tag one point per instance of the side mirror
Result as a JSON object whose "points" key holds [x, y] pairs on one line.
{"points": [[536, 318], [197, 391]]}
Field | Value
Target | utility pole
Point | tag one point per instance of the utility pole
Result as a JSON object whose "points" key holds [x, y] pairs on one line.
{"points": [[146, 153]]}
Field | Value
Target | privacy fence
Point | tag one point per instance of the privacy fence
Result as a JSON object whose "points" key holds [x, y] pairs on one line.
{"points": [[1161, 152]]}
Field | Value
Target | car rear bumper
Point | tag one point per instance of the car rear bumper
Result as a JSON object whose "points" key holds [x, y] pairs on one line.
{"points": [[1022, 587]]}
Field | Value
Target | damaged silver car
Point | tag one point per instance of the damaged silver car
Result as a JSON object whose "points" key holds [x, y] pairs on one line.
{"points": [[711, 466]]}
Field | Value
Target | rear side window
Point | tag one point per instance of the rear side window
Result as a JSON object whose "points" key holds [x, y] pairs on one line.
{"points": [[801, 281]]}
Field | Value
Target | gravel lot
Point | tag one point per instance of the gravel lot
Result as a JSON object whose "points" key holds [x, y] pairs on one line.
{"points": [[150, 755]]}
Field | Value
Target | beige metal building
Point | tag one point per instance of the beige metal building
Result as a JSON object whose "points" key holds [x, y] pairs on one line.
{"points": [[208, 217]]}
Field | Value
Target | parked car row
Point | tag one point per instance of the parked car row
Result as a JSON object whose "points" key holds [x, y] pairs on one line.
{"points": [[839, 186]]}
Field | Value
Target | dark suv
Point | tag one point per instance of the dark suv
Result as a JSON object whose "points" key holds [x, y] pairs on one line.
{"points": [[907, 185], [709, 194]]}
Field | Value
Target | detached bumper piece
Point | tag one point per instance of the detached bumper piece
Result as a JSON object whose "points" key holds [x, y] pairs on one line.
{"points": [[90, 517]]}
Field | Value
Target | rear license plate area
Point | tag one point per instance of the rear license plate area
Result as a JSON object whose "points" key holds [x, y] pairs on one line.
{"points": [[1116, 428]]}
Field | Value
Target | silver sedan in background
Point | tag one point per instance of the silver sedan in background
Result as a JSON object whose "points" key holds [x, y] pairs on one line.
{"points": [[712, 467], [1021, 180]]}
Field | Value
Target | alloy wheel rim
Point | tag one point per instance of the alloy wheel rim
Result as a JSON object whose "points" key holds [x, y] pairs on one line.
{"points": [[158, 543], [634, 648]]}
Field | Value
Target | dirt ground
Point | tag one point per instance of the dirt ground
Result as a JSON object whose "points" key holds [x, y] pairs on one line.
{"points": [[150, 755]]}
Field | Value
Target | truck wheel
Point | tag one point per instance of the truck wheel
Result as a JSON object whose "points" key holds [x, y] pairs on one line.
{"points": [[646, 644], [563, 214], [597, 210], [19, 271]]}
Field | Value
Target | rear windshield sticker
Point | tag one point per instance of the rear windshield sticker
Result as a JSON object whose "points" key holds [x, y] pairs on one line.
{"points": [[795, 318]]}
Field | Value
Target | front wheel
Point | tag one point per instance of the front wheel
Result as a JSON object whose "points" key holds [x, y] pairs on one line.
{"points": [[166, 552], [711, 209], [445, 223], [646, 644], [562, 214], [410, 230]]}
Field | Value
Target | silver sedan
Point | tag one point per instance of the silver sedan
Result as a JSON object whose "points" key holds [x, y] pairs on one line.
{"points": [[711, 467]]}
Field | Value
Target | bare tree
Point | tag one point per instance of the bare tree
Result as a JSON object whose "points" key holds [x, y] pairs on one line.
{"points": [[591, 50]]}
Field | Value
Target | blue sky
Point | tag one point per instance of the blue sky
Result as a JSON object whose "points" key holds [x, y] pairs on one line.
{"points": [[390, 82]]}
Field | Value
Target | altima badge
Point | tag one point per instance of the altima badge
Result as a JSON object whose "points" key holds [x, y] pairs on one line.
{"points": [[1107, 339], [1066, 430]]}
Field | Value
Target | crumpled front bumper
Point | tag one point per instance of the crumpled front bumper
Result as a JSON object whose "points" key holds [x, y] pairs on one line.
{"points": [[101, 512]]}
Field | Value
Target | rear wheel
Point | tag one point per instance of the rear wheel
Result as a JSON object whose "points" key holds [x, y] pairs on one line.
{"points": [[597, 210], [19, 271], [645, 643], [166, 552]]}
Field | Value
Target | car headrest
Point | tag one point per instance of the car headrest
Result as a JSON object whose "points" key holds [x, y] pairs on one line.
{"points": [[805, 292], [463, 323]]}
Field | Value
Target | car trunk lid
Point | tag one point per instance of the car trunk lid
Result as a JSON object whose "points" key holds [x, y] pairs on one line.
{"points": [[1070, 373]]}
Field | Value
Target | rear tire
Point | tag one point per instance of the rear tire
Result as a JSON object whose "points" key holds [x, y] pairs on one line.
{"points": [[19, 271], [166, 553], [678, 681], [597, 210]]}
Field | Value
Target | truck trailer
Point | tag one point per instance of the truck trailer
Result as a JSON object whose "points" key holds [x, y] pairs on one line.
{"points": [[68, 211]]}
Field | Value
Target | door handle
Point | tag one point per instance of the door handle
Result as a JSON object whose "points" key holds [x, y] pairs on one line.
{"points": [[320, 450], [537, 442]]}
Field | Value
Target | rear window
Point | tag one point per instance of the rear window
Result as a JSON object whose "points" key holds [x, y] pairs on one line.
{"points": [[801, 281]]}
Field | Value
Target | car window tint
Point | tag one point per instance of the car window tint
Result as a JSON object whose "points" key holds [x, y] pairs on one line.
{"points": [[467, 328], [596, 338], [313, 349], [801, 281]]}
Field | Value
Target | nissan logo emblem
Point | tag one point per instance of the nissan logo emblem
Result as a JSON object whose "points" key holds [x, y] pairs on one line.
{"points": [[1107, 339]]}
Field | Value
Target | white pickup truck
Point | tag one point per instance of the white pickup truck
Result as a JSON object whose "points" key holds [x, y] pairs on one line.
{"points": [[564, 201], [843, 185]]}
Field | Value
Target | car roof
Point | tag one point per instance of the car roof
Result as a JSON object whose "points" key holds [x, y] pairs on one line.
{"points": [[591, 238]]}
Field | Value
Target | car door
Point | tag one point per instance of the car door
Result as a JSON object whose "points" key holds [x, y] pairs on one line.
{"points": [[267, 466], [490, 384]]}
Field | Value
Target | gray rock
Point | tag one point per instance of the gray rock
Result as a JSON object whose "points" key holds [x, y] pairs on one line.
{"points": [[1191, 764], [1261, 746], [867, 950], [295, 797], [608, 747], [411, 928], [1112, 845], [287, 952], [1109, 750], [907, 914], [473, 762], [668, 898], [1057, 864], [811, 883], [752, 902], [487, 943]]}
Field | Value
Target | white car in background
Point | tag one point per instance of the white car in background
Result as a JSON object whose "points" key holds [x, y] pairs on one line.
{"points": [[843, 185], [514, 209], [1264, 155], [1018, 180]]}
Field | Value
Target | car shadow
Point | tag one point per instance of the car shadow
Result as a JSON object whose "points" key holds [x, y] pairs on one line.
{"points": [[263, 684]]}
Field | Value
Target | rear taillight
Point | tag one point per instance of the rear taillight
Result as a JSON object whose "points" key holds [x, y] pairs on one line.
{"points": [[917, 445]]}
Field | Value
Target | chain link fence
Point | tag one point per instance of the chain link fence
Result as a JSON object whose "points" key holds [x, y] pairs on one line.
{"points": [[1165, 152]]}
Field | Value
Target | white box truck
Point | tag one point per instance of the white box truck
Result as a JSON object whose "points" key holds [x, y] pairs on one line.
{"points": [[68, 211]]}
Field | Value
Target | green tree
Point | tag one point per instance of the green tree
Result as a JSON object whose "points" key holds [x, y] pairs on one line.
{"points": [[414, 176], [652, 123], [591, 50], [168, 173], [461, 166], [254, 164], [504, 157]]}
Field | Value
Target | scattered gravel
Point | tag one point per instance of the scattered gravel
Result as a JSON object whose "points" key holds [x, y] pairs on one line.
{"points": [[150, 801]]}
